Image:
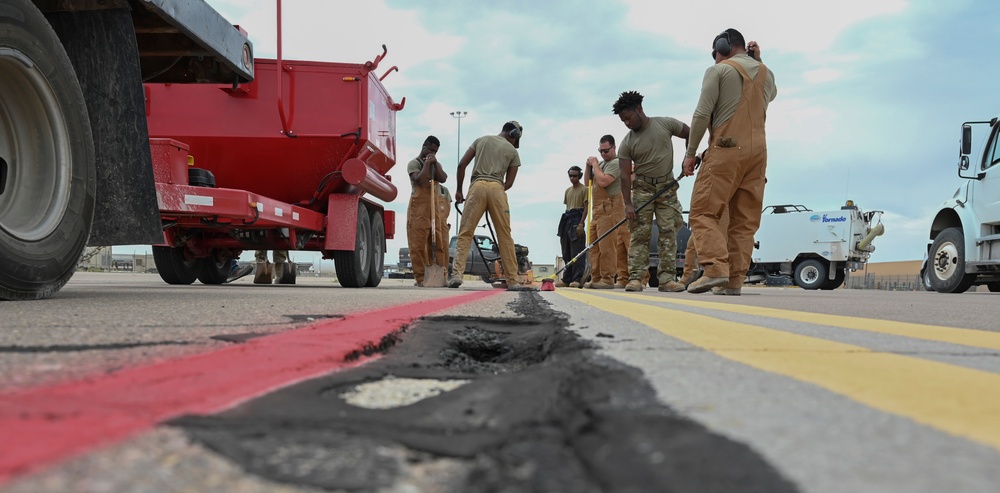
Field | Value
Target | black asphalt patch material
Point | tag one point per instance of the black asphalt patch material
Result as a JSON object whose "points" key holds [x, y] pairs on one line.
{"points": [[544, 413], [74, 348]]}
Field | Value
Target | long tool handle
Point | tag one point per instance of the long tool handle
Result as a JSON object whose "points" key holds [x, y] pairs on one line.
{"points": [[434, 191], [606, 233]]}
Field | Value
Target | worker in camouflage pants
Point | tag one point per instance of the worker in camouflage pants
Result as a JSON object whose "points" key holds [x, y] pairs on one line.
{"points": [[666, 208], [646, 158]]}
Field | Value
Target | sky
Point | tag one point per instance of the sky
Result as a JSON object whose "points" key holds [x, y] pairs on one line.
{"points": [[871, 95]]}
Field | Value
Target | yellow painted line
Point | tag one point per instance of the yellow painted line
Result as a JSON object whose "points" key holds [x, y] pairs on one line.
{"points": [[960, 401], [954, 335]]}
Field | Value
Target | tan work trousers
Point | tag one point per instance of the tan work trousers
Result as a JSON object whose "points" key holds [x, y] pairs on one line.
{"points": [[605, 254], [418, 231], [732, 176], [691, 255], [486, 196]]}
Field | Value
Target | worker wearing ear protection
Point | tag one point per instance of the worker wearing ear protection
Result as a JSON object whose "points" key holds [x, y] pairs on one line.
{"points": [[493, 174], [733, 107]]}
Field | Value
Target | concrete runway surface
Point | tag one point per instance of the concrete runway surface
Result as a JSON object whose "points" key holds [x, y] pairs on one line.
{"points": [[401, 389]]}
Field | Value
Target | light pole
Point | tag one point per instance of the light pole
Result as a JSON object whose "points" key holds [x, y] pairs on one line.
{"points": [[458, 115]]}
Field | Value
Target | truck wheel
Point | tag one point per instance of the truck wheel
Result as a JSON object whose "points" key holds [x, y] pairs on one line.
{"points": [[925, 277], [836, 282], [47, 165], [377, 249], [946, 264], [215, 271], [994, 287], [174, 267], [353, 266], [653, 280], [810, 274]]}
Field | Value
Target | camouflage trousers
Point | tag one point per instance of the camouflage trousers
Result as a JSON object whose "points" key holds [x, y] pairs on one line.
{"points": [[667, 211], [279, 256]]}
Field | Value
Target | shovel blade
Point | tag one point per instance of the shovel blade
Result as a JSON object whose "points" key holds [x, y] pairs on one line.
{"points": [[435, 276]]}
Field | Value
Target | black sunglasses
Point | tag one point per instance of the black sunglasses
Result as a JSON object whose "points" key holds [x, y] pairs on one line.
{"points": [[574, 175], [602, 151]]}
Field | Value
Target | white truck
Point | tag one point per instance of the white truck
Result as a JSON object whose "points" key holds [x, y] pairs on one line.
{"points": [[960, 251], [815, 248]]}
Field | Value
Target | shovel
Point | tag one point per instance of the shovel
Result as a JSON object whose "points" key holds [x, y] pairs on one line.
{"points": [[435, 276]]}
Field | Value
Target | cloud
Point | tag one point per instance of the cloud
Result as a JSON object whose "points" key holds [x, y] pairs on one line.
{"points": [[870, 94]]}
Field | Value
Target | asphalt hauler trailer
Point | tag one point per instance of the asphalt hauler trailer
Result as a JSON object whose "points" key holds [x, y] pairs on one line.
{"points": [[149, 122]]}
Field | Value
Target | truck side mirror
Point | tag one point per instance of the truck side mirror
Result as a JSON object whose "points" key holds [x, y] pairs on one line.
{"points": [[963, 163], [966, 141]]}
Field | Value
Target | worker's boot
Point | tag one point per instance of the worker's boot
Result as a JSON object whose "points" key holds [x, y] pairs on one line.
{"points": [[263, 272], [671, 287], [279, 272], [634, 285], [705, 283]]}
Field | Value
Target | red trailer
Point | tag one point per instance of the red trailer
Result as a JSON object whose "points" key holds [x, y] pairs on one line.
{"points": [[291, 160]]}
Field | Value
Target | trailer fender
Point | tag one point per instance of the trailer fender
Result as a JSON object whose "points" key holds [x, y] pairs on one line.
{"points": [[101, 44], [341, 221]]}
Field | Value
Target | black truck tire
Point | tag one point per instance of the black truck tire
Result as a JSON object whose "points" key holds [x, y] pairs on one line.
{"points": [[174, 267], [377, 249], [353, 265], [810, 274], [946, 263], [47, 165], [214, 270], [836, 282]]}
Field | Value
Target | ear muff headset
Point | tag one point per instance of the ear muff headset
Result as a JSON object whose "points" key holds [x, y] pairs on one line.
{"points": [[514, 133], [723, 44]]}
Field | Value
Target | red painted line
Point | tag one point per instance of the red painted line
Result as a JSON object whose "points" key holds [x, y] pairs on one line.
{"points": [[44, 425]]}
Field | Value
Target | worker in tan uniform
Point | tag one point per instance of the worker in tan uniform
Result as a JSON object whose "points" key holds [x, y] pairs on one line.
{"points": [[732, 108], [609, 210], [493, 174], [418, 212]]}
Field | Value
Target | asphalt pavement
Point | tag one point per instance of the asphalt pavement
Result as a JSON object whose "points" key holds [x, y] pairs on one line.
{"points": [[573, 390]]}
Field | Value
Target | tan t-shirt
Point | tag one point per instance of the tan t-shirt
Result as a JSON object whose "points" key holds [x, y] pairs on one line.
{"points": [[651, 150], [493, 156], [613, 169], [575, 197], [414, 166]]}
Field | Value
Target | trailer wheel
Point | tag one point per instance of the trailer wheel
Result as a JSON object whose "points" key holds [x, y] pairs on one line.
{"points": [[994, 287], [946, 264], [810, 274], [215, 270], [378, 250], [353, 266], [47, 164], [174, 267], [653, 280]]}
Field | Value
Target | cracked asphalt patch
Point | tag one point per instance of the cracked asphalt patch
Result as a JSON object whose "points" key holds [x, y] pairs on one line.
{"points": [[543, 412]]}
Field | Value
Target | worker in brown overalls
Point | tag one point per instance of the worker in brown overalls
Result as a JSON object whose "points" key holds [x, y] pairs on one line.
{"points": [[734, 167], [418, 213], [609, 210]]}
